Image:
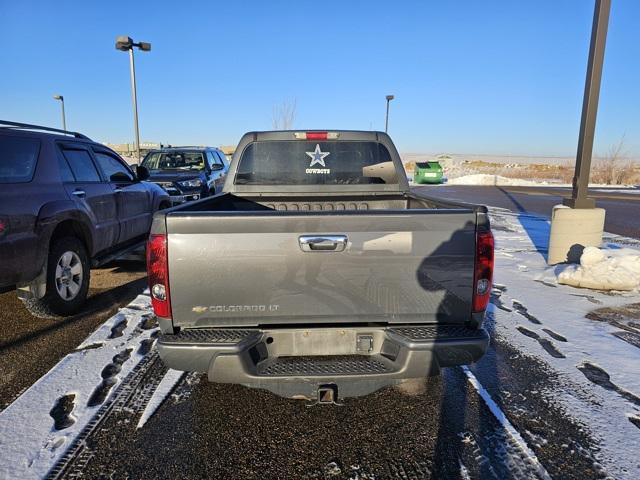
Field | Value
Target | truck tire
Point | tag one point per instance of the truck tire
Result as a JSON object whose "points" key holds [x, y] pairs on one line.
{"points": [[68, 272]]}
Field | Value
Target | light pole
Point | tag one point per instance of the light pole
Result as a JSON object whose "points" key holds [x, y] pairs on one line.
{"points": [[386, 120], [582, 225], [590, 107], [125, 43], [64, 120]]}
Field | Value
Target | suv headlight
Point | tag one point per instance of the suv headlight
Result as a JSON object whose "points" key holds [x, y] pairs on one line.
{"points": [[196, 182]]}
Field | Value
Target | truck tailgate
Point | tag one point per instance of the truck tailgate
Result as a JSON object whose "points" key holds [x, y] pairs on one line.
{"points": [[282, 268]]}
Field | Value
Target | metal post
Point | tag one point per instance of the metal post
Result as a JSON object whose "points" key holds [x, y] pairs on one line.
{"points": [[386, 122], [590, 107], [64, 120], [134, 99]]}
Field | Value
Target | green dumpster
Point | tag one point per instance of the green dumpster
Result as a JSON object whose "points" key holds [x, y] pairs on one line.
{"points": [[427, 172]]}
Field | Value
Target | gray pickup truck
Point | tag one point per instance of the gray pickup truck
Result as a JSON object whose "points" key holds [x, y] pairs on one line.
{"points": [[317, 273]]}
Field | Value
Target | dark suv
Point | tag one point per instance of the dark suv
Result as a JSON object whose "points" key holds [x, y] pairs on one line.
{"points": [[67, 204], [187, 173]]}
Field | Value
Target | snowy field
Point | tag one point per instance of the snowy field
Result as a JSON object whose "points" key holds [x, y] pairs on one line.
{"points": [[497, 180], [460, 169], [581, 334], [485, 179], [500, 181]]}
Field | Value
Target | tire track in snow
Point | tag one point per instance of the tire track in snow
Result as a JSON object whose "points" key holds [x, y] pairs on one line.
{"points": [[160, 393], [132, 393], [539, 469]]}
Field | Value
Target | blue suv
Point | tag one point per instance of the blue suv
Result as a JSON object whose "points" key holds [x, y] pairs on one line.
{"points": [[187, 173]]}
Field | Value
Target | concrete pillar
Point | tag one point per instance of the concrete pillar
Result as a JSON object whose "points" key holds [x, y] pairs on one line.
{"points": [[572, 229]]}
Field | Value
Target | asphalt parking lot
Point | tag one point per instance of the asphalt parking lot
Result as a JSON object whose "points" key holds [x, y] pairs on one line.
{"points": [[487, 421], [433, 429], [439, 429], [621, 205]]}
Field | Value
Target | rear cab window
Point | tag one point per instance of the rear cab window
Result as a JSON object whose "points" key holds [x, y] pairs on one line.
{"points": [[18, 158], [295, 162]]}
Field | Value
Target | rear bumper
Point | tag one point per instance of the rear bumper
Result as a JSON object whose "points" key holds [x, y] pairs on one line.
{"points": [[427, 180], [296, 362]]}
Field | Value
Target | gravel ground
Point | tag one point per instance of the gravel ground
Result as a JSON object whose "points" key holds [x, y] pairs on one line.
{"points": [[444, 430]]}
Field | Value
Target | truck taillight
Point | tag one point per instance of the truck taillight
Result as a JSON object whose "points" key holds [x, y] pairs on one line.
{"points": [[483, 270], [316, 135], [158, 272]]}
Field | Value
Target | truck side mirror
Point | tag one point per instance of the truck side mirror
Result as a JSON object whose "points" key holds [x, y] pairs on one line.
{"points": [[142, 172]]}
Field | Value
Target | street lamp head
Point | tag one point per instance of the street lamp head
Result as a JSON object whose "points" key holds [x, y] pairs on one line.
{"points": [[124, 43], [144, 46], [390, 97], [59, 97]]}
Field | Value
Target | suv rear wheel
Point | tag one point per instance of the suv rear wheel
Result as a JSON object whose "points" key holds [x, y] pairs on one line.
{"points": [[68, 272]]}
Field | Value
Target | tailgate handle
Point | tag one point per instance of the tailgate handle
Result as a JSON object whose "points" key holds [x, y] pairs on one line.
{"points": [[322, 243]]}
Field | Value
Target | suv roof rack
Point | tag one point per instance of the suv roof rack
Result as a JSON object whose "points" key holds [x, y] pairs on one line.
{"points": [[184, 146], [26, 126]]}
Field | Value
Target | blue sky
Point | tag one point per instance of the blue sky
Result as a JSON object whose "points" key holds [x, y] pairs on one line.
{"points": [[497, 77]]}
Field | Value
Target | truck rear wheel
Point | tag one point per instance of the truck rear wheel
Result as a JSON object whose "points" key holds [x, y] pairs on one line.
{"points": [[68, 273]]}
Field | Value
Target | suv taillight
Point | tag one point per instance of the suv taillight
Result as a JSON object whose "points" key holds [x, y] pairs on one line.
{"points": [[483, 270], [158, 271]]}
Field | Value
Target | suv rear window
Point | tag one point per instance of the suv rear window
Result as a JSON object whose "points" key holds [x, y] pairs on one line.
{"points": [[18, 157], [295, 162], [428, 165]]}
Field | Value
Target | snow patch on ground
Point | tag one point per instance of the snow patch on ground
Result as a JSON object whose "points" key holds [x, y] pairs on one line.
{"points": [[166, 385], [604, 269], [486, 179], [621, 189], [29, 443], [529, 295], [501, 181]]}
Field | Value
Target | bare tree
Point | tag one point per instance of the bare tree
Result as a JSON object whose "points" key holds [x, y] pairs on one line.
{"points": [[614, 168], [284, 115]]}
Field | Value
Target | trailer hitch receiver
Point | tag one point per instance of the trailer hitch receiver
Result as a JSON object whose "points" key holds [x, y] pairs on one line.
{"points": [[327, 394]]}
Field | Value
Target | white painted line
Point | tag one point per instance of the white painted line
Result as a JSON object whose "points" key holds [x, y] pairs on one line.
{"points": [[166, 385], [504, 421]]}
